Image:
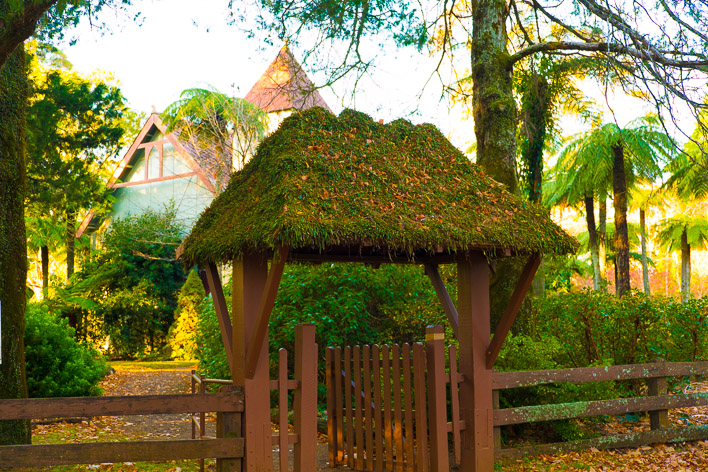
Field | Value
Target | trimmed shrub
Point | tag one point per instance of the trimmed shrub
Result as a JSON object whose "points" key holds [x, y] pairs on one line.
{"points": [[58, 366], [181, 337]]}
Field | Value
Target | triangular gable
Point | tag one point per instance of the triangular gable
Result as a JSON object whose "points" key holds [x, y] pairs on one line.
{"points": [[131, 156], [285, 86]]}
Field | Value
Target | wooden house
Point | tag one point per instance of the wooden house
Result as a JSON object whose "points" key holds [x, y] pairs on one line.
{"points": [[162, 168]]}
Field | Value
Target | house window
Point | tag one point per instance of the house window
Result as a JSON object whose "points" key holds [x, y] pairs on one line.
{"points": [[172, 163], [154, 163], [137, 173]]}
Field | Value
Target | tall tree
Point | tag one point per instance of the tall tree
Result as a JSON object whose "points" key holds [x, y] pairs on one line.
{"points": [[579, 177], [13, 249], [606, 157], [226, 130], [644, 198], [75, 125], [683, 232]]}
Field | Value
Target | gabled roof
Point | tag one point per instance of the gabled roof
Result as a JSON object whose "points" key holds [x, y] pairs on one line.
{"points": [[348, 185], [152, 125], [284, 86]]}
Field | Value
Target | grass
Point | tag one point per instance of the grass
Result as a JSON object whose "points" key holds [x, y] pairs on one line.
{"points": [[138, 366]]}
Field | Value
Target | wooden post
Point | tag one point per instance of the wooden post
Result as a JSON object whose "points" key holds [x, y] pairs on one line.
{"points": [[305, 399], [228, 425], [437, 404], [476, 388], [249, 280], [658, 419], [331, 371]]}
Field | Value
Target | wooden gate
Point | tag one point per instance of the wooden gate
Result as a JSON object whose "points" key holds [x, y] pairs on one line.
{"points": [[387, 406]]}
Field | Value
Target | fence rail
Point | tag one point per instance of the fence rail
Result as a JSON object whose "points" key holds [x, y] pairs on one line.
{"points": [[657, 403], [228, 404]]}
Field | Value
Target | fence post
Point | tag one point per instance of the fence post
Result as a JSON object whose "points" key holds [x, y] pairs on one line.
{"points": [[658, 419], [194, 390], [305, 398], [497, 429], [228, 425], [437, 404]]}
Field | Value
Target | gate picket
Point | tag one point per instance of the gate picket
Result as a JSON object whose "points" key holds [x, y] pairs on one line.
{"points": [[381, 407], [368, 410], [397, 416], [407, 399]]}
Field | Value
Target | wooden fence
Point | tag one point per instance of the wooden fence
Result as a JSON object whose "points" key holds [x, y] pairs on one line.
{"points": [[394, 408], [657, 403], [227, 448]]}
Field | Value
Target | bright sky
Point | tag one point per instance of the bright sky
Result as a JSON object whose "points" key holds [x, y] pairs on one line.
{"points": [[180, 46]]}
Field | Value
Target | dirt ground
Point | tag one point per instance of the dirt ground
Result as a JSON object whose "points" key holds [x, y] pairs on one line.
{"points": [[162, 382]]}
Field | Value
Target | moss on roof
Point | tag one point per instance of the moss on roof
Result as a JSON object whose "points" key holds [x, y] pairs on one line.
{"points": [[322, 181]]}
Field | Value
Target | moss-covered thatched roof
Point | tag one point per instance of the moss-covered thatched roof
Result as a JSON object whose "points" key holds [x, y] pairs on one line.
{"points": [[346, 184]]}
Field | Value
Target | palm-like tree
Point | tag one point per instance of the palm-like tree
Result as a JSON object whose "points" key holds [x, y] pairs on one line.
{"points": [[644, 198], [43, 234], [607, 157], [229, 129], [683, 232]]}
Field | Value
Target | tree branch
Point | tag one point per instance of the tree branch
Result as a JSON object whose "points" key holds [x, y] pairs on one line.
{"points": [[17, 26], [650, 55]]}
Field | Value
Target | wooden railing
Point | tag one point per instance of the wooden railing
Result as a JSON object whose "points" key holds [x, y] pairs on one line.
{"points": [[657, 403], [227, 448], [198, 420]]}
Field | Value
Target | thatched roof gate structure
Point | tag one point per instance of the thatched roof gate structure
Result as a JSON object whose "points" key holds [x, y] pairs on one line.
{"points": [[347, 189]]}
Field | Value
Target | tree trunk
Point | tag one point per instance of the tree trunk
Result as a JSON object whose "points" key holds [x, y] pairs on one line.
{"points": [[70, 242], [602, 241], [592, 242], [685, 268], [13, 243], [493, 104], [44, 250], [645, 264], [494, 111], [619, 197]]}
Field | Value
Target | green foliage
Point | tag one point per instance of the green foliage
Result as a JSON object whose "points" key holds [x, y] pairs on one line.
{"points": [[181, 339], [57, 365], [226, 127], [348, 303], [354, 304], [592, 328], [128, 290], [210, 350]]}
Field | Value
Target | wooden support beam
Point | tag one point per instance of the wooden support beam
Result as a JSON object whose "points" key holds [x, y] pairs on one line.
{"points": [[512, 308], [476, 405], [222, 312], [431, 270], [266, 306]]}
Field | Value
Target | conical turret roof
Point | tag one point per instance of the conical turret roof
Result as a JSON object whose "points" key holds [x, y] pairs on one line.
{"points": [[285, 86]]}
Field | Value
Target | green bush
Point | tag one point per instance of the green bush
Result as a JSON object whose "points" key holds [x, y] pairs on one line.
{"points": [[58, 366], [349, 304], [127, 292], [210, 350]]}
